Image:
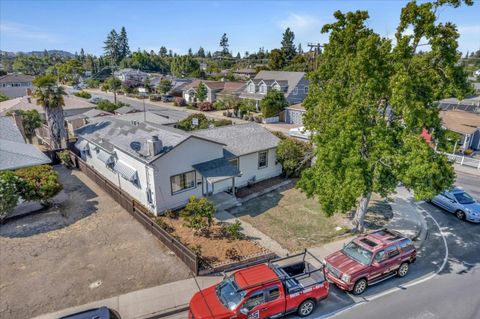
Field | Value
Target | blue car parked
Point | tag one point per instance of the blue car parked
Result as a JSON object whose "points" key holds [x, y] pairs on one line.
{"points": [[460, 203]]}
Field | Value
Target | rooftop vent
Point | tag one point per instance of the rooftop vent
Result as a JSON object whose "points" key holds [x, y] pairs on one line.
{"points": [[154, 145]]}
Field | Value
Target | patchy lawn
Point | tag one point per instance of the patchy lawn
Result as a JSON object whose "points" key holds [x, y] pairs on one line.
{"points": [[217, 246], [297, 222]]}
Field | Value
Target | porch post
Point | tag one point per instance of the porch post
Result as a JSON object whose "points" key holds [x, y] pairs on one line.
{"points": [[233, 186]]}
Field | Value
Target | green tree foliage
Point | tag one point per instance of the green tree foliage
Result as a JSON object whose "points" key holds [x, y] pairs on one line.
{"points": [[30, 121], [201, 92], [82, 94], [34, 65], [70, 71], [111, 47], [224, 44], [203, 122], [294, 155], [41, 183], [273, 103], [50, 96], [123, 48], [298, 64], [162, 52], [201, 53], [276, 60], [288, 47], [3, 97], [361, 147], [164, 86], [10, 187], [184, 66], [147, 62], [199, 213], [106, 105]]}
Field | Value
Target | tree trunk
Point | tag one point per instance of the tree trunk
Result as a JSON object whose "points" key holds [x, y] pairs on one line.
{"points": [[56, 125], [359, 218]]}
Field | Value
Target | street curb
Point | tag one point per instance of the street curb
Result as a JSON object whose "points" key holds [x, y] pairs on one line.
{"points": [[165, 313], [423, 233]]}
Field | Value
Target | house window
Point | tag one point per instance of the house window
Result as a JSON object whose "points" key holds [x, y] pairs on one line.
{"points": [[251, 88], [277, 87], [182, 182], [305, 89], [263, 88], [295, 91], [234, 162], [262, 159]]}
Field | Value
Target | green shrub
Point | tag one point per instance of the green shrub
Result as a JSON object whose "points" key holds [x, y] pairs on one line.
{"points": [[179, 101], [41, 183], [83, 94], [273, 103], [197, 250], [468, 152], [223, 122], [93, 84], [10, 189], [64, 156], [294, 155], [220, 105], [198, 214], [234, 230]]}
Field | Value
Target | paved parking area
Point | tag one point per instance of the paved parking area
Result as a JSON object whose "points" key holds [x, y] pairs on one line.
{"points": [[87, 249]]}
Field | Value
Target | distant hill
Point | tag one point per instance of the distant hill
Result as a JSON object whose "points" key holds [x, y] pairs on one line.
{"points": [[62, 53]]}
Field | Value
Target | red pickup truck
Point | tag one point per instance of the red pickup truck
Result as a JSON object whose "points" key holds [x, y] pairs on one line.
{"points": [[283, 286], [369, 259]]}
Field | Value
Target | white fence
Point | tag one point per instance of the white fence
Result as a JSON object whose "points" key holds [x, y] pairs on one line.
{"points": [[464, 160]]}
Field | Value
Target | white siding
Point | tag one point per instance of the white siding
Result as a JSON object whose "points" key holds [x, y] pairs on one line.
{"points": [[100, 166], [180, 160]]}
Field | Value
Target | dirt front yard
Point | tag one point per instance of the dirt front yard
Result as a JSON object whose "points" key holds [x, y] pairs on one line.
{"points": [[87, 249], [297, 222]]}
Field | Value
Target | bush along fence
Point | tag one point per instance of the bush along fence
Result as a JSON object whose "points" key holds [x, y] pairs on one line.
{"points": [[196, 264], [140, 213]]}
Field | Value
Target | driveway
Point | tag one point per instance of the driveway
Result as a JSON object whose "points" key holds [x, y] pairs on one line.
{"points": [[87, 249]]}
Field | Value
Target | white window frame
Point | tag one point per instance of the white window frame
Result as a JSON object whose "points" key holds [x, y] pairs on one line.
{"points": [[251, 88], [266, 159], [262, 88], [305, 89], [185, 188], [235, 162], [295, 91]]}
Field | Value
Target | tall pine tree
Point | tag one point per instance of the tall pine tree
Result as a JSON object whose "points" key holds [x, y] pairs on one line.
{"points": [[124, 49], [288, 48], [224, 44]]}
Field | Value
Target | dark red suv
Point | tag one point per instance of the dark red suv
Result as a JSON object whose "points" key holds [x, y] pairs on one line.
{"points": [[369, 259]]}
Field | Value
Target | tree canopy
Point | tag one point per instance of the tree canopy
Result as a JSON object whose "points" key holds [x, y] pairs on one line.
{"points": [[368, 103], [288, 47], [273, 103]]}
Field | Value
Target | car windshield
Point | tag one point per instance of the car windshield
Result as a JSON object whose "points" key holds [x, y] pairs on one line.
{"points": [[464, 198], [358, 253], [229, 294]]}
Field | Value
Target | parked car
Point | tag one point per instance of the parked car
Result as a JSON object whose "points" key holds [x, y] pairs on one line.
{"points": [[168, 98], [95, 100], [272, 290], [460, 203], [369, 259], [98, 313]]}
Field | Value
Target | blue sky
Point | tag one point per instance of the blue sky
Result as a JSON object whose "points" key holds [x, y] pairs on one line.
{"points": [[178, 25]]}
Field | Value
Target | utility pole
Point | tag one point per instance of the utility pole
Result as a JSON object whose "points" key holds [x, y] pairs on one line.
{"points": [[314, 52]]}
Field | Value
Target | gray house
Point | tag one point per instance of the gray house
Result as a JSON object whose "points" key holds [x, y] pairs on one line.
{"points": [[293, 84], [15, 85]]}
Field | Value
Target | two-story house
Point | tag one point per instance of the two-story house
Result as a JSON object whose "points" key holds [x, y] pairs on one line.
{"points": [[132, 75], [162, 167], [215, 89], [293, 84]]}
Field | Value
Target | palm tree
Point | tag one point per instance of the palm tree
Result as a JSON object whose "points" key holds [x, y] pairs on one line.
{"points": [[50, 96]]}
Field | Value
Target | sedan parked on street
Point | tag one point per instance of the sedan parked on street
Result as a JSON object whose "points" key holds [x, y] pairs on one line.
{"points": [[460, 203]]}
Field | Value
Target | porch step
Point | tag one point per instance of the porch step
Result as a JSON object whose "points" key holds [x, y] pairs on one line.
{"points": [[223, 201]]}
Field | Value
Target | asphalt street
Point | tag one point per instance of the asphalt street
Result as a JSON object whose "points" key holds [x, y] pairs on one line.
{"points": [[444, 282]]}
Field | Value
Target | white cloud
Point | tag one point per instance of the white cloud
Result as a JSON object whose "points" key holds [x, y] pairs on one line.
{"points": [[299, 22], [23, 31]]}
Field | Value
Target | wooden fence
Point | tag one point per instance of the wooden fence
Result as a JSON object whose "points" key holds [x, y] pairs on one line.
{"points": [[140, 213]]}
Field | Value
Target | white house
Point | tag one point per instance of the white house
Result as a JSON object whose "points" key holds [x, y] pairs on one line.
{"points": [[162, 167], [15, 85]]}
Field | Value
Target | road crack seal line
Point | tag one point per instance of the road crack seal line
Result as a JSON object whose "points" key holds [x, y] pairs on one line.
{"points": [[400, 287]]}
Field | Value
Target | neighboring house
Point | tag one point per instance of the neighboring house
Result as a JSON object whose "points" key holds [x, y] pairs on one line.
{"points": [[73, 105], [294, 85], [162, 167], [464, 123], [76, 121], [215, 90], [131, 75], [14, 152], [15, 85], [125, 110], [294, 114], [245, 73], [470, 104]]}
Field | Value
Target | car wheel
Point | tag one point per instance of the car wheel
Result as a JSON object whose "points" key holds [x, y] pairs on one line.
{"points": [[306, 308], [359, 287], [460, 215], [403, 270]]}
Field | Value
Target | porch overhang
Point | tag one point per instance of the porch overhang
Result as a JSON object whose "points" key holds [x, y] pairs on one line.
{"points": [[217, 170]]}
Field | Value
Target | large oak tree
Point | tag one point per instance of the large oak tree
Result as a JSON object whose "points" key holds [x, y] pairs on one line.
{"points": [[368, 102]]}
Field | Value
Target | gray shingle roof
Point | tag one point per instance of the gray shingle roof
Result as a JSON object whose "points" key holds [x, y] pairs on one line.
{"points": [[241, 139], [125, 110], [15, 78], [293, 78], [14, 152]]}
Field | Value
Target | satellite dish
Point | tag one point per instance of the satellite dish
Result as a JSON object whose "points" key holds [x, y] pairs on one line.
{"points": [[136, 146]]}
